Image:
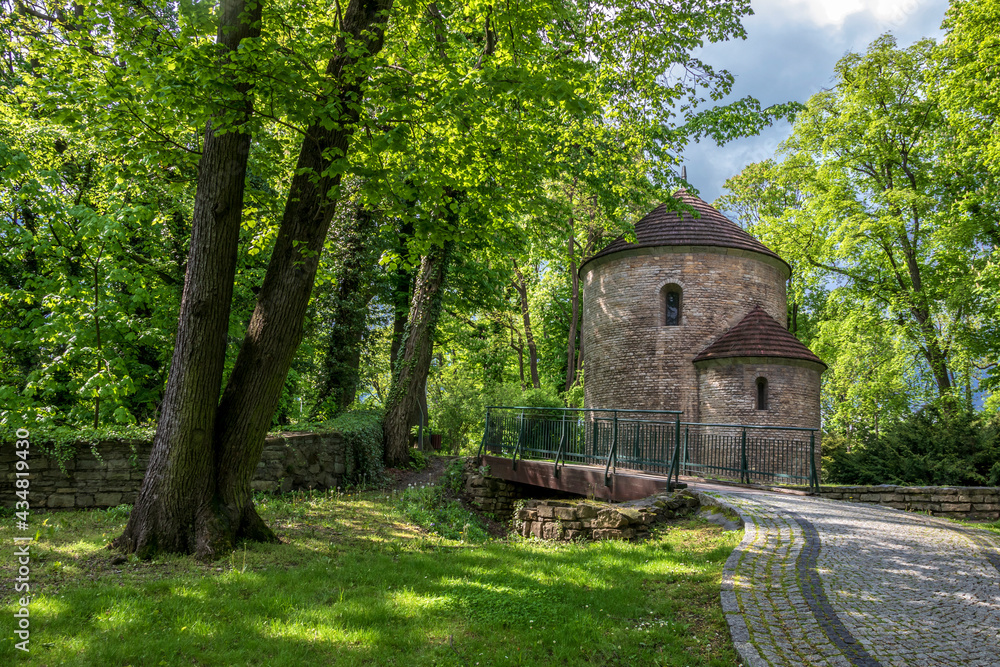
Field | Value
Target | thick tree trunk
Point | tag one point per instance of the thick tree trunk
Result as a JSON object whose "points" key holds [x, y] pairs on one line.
{"points": [[174, 506], [196, 496], [529, 338], [275, 329], [413, 364], [350, 313]]}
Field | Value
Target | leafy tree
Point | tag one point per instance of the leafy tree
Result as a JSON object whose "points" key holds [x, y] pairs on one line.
{"points": [[863, 207]]}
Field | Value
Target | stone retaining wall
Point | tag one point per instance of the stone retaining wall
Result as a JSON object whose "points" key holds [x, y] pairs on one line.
{"points": [[590, 520], [967, 502], [489, 494], [289, 462]]}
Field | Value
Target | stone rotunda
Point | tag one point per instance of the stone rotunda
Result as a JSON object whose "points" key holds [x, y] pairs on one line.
{"points": [[692, 317]]}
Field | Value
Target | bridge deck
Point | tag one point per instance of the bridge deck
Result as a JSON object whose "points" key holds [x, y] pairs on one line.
{"points": [[584, 480]]}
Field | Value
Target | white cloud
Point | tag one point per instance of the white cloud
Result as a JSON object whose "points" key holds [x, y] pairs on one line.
{"points": [[834, 13]]}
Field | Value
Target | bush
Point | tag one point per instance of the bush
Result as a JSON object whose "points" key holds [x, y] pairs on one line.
{"points": [[457, 412], [929, 448], [362, 431], [437, 509]]}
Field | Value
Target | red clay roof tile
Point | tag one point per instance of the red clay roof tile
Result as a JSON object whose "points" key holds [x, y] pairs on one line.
{"points": [[665, 227], [758, 335]]}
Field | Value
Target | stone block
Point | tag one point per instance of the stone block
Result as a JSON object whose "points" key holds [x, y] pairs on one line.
{"points": [[546, 512], [893, 497], [956, 507], [107, 499], [871, 497], [586, 511], [565, 513], [552, 531], [573, 534], [609, 519], [61, 500], [84, 500], [607, 534], [986, 507], [632, 514]]}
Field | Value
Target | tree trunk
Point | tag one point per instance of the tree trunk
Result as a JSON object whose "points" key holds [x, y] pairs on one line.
{"points": [[416, 349], [400, 297], [522, 291], [575, 304], [198, 496], [174, 505], [275, 329], [350, 313]]}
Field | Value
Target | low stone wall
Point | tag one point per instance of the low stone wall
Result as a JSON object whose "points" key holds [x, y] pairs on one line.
{"points": [[289, 462], [591, 520], [489, 494], [966, 502]]}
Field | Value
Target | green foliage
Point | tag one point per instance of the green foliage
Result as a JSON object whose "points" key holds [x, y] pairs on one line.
{"points": [[418, 459], [457, 408], [930, 447], [435, 508], [871, 209], [362, 433], [62, 443]]}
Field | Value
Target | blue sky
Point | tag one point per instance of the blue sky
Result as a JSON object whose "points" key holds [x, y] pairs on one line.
{"points": [[789, 54]]}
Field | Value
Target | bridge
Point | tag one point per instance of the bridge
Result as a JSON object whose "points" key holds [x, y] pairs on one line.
{"points": [[630, 454]]}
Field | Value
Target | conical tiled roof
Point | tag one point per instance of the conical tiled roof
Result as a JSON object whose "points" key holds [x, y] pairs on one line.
{"points": [[665, 227], [758, 335]]}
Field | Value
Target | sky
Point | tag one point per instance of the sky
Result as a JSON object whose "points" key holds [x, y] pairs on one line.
{"points": [[789, 54]]}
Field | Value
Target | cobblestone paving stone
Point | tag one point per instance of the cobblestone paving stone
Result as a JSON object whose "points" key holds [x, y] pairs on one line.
{"points": [[825, 582]]}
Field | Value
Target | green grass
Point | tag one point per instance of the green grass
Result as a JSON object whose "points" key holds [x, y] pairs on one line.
{"points": [[355, 584]]}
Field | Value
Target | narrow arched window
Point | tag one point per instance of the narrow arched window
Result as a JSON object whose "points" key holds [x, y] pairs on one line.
{"points": [[672, 305], [761, 393]]}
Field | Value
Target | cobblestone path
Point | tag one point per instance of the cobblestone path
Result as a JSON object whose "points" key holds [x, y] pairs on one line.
{"points": [[825, 582]]}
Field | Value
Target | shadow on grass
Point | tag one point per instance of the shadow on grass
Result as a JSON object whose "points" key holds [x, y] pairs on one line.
{"points": [[345, 596]]}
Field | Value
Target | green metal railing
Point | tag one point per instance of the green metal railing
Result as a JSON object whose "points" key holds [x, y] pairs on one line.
{"points": [[655, 441]]}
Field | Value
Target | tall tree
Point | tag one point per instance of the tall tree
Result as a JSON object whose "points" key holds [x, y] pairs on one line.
{"points": [[863, 205], [225, 511]]}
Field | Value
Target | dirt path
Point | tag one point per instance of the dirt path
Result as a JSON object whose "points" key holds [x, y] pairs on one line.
{"points": [[401, 478]]}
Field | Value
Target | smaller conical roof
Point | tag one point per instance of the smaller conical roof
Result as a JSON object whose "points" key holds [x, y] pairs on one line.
{"points": [[666, 227], [758, 335]]}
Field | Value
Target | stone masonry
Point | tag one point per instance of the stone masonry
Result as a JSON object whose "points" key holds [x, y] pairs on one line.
{"points": [[289, 462], [632, 360], [593, 520], [969, 502], [493, 496]]}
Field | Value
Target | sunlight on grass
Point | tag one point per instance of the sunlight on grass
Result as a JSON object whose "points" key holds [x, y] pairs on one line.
{"points": [[355, 583]]}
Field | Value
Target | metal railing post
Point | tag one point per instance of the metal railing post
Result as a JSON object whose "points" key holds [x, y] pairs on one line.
{"points": [[813, 477], [520, 442], [684, 460], [612, 463], [744, 471], [562, 444]]}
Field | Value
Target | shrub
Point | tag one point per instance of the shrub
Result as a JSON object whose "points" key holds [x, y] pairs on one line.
{"points": [[362, 432], [458, 411], [431, 508], [927, 448]]}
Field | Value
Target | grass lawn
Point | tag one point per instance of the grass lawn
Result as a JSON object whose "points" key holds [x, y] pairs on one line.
{"points": [[355, 584]]}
